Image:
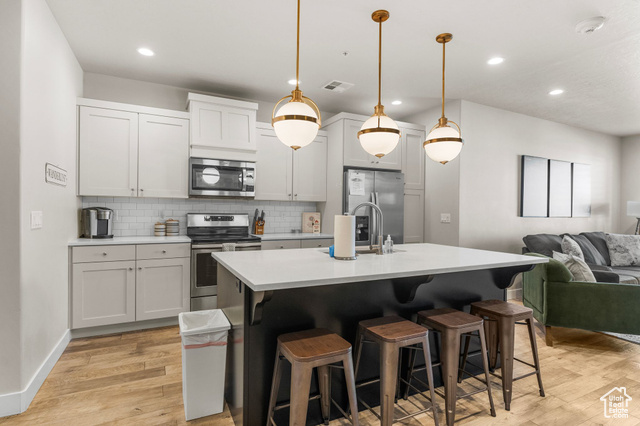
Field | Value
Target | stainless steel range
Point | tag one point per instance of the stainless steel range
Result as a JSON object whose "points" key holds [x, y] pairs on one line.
{"points": [[208, 233]]}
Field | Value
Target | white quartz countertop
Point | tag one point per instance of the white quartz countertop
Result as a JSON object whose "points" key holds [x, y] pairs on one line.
{"points": [[293, 236], [297, 268], [128, 240]]}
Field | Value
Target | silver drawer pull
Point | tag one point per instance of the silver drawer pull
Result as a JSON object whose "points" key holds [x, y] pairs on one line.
{"points": [[164, 251], [104, 253], [139, 268], [131, 269]]}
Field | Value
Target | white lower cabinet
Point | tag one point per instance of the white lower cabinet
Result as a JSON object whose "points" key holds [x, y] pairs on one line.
{"points": [[103, 293], [279, 245], [162, 288], [107, 289]]}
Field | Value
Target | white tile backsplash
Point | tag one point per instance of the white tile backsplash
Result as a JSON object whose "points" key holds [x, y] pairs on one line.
{"points": [[136, 216]]}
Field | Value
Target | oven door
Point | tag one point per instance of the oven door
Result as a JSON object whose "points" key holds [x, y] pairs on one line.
{"points": [[221, 178], [204, 268]]}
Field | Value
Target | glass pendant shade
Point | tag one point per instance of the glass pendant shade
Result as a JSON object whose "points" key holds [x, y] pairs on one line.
{"points": [[443, 144], [296, 131], [379, 141]]}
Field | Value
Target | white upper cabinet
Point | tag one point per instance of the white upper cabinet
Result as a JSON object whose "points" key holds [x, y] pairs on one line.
{"points": [[310, 171], [413, 158], [413, 216], [222, 128], [163, 165], [108, 155], [132, 151], [274, 168], [354, 155], [287, 175]]}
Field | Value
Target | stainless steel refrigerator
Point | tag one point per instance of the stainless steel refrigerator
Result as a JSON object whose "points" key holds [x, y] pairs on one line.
{"points": [[386, 190]]}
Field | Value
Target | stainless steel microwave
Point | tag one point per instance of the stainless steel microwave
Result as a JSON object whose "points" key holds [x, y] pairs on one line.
{"points": [[221, 178]]}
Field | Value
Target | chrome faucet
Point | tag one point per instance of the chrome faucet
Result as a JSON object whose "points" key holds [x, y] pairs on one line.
{"points": [[377, 248]]}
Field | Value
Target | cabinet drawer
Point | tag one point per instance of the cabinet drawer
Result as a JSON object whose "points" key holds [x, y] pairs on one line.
{"points": [[277, 245], [103, 253], [162, 251], [311, 243]]}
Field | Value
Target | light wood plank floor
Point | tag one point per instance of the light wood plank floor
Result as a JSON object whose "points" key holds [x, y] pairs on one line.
{"points": [[135, 379]]}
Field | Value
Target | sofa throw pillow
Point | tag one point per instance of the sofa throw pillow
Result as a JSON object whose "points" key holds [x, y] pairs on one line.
{"points": [[624, 250], [571, 247], [576, 266], [599, 241], [543, 243], [592, 255]]}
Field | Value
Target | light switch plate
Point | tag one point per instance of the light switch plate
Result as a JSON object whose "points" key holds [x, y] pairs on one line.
{"points": [[36, 220], [445, 217]]}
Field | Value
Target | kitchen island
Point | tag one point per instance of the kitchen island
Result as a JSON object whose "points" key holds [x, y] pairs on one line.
{"points": [[268, 293]]}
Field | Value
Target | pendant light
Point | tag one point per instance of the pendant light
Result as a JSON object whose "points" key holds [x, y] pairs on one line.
{"points": [[379, 135], [443, 143], [297, 122]]}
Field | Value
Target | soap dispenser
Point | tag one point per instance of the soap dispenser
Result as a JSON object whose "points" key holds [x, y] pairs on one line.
{"points": [[388, 245]]}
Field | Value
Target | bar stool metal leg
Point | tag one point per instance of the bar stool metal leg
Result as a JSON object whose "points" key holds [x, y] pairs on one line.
{"points": [[349, 376], [301, 382], [275, 385], [388, 377], [450, 364], [485, 364], [534, 351], [432, 394], [324, 385], [506, 326]]}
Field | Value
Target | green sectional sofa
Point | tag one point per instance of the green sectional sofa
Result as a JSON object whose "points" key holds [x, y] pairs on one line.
{"points": [[558, 301]]}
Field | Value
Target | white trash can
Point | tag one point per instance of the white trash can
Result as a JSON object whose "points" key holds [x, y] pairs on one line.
{"points": [[204, 355]]}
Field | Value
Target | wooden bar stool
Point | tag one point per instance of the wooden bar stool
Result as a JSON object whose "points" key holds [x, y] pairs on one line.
{"points": [[391, 334], [306, 350], [452, 325], [500, 321]]}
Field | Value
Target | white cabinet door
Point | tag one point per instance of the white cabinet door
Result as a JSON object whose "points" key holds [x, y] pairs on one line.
{"points": [[281, 245], [103, 293], [413, 158], [163, 166], [274, 168], [310, 171], [220, 126], [354, 154], [414, 216], [108, 152], [162, 288]]}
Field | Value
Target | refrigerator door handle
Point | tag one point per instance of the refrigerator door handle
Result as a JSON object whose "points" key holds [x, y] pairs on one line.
{"points": [[374, 222]]}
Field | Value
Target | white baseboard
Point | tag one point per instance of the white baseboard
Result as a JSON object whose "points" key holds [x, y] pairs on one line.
{"points": [[514, 294], [18, 402], [103, 330]]}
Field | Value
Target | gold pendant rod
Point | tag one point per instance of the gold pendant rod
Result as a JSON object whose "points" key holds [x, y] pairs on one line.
{"points": [[298, 50], [443, 47], [379, 69]]}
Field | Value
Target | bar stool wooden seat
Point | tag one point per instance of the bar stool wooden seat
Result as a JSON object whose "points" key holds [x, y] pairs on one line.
{"points": [[392, 334], [452, 325], [500, 321], [306, 350]]}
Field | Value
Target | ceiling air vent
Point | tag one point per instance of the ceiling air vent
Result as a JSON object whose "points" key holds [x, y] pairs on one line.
{"points": [[337, 86]]}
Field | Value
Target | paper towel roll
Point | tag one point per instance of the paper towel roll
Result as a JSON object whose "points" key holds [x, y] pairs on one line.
{"points": [[344, 242]]}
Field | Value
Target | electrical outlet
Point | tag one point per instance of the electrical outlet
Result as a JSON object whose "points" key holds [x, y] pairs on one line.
{"points": [[36, 220], [445, 217]]}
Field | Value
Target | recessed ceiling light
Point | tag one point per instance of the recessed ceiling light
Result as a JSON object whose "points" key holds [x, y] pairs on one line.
{"points": [[495, 61], [293, 82], [556, 92], [146, 52], [396, 102]]}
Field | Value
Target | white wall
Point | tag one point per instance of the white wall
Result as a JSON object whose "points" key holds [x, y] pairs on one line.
{"points": [[10, 39], [136, 92], [442, 182], [51, 80], [630, 181], [490, 176]]}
